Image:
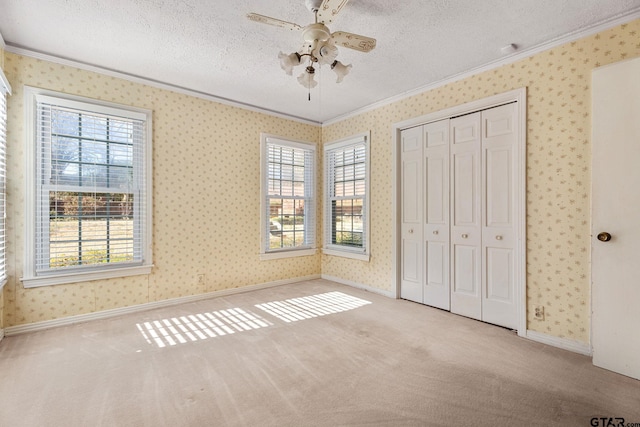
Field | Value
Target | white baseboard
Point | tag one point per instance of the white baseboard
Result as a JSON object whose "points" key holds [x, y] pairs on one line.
{"points": [[367, 288], [48, 324], [564, 343], [1, 334]]}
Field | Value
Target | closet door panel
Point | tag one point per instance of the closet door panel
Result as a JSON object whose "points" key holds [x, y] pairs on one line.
{"points": [[411, 286], [465, 194], [465, 199], [436, 225], [499, 274], [498, 230], [499, 194]]}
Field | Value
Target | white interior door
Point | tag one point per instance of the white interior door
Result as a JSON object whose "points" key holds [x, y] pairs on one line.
{"points": [[436, 227], [616, 210], [499, 143], [412, 267], [466, 231]]}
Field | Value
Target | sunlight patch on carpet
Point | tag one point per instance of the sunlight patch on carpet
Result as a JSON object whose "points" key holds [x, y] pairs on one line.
{"points": [[295, 309], [202, 326]]}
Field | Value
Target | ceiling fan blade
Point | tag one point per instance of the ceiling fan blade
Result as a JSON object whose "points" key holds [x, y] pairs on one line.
{"points": [[353, 41], [273, 21], [329, 9]]}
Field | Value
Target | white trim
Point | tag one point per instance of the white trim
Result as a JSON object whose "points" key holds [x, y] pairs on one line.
{"points": [[265, 139], [30, 280], [86, 276], [362, 254], [345, 253], [534, 50], [287, 254], [357, 285], [516, 95], [2, 335], [563, 343], [279, 140], [155, 83], [519, 95], [81, 318], [99, 107], [567, 38]]}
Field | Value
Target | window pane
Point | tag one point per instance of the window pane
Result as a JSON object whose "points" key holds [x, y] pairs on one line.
{"points": [[100, 154], [65, 122], [287, 189], [90, 165], [88, 229], [286, 223]]}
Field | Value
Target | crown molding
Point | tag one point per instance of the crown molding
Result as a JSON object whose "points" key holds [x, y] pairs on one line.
{"points": [[19, 50], [567, 38]]}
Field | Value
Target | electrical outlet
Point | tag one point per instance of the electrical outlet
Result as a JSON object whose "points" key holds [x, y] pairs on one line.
{"points": [[200, 279], [538, 313]]}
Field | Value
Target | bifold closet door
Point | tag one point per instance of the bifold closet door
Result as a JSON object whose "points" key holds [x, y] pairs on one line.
{"points": [[411, 258], [459, 214], [499, 137], [436, 228], [466, 212]]}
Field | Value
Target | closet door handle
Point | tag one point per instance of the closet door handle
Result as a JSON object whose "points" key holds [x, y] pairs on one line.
{"points": [[465, 235], [411, 231], [435, 232], [498, 237]]}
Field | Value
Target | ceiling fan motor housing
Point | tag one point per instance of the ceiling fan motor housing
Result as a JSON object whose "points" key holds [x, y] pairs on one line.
{"points": [[316, 32]]}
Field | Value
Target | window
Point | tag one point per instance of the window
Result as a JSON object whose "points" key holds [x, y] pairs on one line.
{"points": [[288, 202], [346, 201], [5, 89], [89, 190]]}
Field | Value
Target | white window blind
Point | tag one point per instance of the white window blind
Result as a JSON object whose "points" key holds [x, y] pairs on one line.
{"points": [[4, 90], [346, 194], [288, 195], [91, 188]]}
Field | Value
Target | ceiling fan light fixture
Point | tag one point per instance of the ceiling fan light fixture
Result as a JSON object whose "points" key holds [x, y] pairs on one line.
{"points": [[327, 53], [320, 45], [340, 69], [287, 62], [306, 79]]}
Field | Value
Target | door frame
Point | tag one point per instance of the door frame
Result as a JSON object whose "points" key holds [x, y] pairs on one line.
{"points": [[520, 262]]}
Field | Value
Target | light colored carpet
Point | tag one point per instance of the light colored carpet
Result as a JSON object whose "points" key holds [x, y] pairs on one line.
{"points": [[362, 360]]}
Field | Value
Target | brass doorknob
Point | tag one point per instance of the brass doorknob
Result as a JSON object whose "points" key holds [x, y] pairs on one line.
{"points": [[604, 237]]}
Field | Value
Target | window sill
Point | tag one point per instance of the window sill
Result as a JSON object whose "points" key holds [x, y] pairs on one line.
{"points": [[346, 254], [60, 279], [287, 254]]}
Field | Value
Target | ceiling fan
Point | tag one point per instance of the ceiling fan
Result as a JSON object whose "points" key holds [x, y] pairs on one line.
{"points": [[320, 45]]}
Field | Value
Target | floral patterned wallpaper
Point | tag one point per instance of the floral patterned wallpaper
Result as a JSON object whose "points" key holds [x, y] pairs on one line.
{"points": [[558, 172], [205, 193], [206, 158]]}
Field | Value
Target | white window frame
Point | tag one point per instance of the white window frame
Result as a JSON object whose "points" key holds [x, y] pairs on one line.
{"points": [[5, 90], [54, 277], [364, 253], [310, 201]]}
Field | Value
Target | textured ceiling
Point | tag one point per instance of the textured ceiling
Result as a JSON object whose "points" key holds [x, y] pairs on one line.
{"points": [[209, 46]]}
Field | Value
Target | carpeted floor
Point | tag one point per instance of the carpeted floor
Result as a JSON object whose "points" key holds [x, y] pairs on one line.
{"points": [[309, 354]]}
